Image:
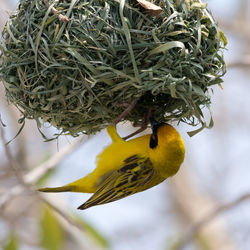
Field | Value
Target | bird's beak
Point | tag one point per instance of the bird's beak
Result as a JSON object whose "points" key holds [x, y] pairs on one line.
{"points": [[154, 123]]}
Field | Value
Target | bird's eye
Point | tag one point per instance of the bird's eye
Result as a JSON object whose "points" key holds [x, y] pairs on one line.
{"points": [[153, 141]]}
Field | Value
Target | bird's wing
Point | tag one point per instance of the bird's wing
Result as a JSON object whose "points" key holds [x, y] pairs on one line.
{"points": [[135, 175]]}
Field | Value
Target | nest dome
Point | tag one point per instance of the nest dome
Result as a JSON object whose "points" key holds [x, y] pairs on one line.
{"points": [[80, 74]]}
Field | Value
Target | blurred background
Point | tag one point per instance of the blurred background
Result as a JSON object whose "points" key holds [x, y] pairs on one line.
{"points": [[205, 206]]}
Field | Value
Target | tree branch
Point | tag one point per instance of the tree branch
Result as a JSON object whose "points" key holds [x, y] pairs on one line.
{"points": [[39, 171], [36, 172], [209, 217], [24, 182], [243, 63]]}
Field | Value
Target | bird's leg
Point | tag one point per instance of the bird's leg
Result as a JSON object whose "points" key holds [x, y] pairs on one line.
{"points": [[143, 127], [130, 107], [126, 111], [120, 105]]}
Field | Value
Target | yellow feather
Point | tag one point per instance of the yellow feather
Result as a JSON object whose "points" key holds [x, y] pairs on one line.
{"points": [[113, 134], [128, 167]]}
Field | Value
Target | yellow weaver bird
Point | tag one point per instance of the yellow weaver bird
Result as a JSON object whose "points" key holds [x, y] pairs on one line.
{"points": [[128, 167]]}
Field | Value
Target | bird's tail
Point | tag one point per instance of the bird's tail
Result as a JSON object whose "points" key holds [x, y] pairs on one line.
{"points": [[57, 189], [83, 185]]}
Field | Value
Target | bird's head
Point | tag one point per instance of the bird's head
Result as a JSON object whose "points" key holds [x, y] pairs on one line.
{"points": [[166, 147]]}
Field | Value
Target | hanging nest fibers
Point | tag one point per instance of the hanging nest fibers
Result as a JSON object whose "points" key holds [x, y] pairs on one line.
{"points": [[77, 64]]}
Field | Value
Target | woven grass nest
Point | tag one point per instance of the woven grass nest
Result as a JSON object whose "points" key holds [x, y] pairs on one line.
{"points": [[80, 73]]}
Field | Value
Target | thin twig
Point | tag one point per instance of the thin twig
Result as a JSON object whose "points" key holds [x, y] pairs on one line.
{"points": [[212, 215], [61, 17]]}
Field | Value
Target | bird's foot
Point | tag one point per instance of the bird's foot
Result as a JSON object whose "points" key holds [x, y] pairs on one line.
{"points": [[143, 125]]}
